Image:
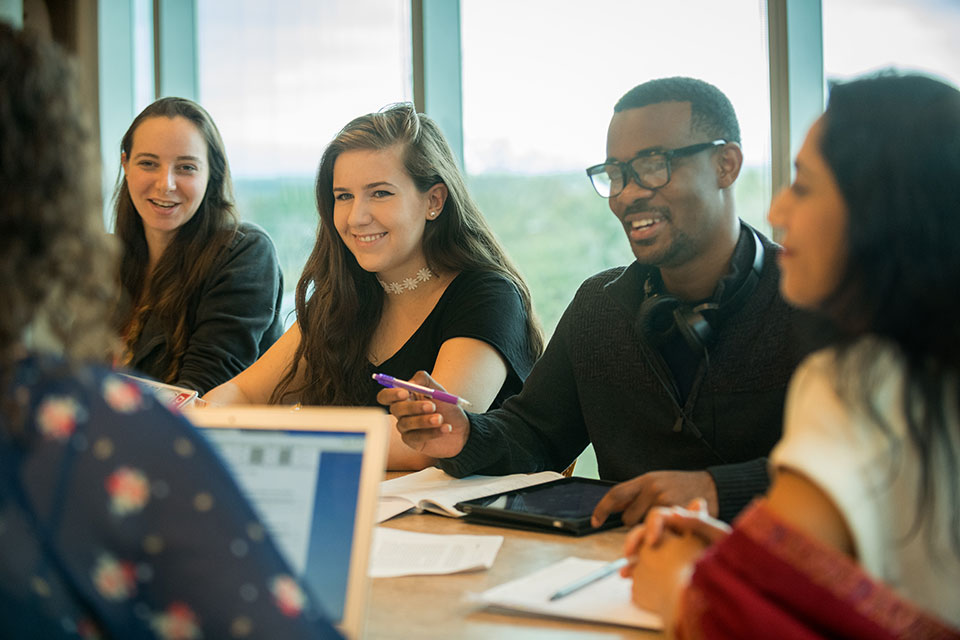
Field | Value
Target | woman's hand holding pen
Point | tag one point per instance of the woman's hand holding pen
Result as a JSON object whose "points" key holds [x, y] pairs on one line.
{"points": [[436, 429]]}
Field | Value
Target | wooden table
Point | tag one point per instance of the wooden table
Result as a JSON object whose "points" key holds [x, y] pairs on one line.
{"points": [[440, 606]]}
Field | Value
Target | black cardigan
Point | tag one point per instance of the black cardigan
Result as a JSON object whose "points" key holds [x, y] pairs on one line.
{"points": [[594, 383], [233, 320]]}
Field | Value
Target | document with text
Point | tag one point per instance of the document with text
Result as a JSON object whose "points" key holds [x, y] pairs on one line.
{"points": [[407, 553]]}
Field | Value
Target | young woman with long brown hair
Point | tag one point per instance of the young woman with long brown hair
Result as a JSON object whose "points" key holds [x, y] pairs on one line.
{"points": [[201, 291], [406, 275]]}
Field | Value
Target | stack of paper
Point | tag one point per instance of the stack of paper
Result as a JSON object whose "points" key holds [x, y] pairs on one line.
{"points": [[606, 600], [435, 491]]}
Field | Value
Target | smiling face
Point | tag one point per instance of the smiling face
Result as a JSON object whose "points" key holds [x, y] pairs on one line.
{"points": [[167, 173], [669, 226], [379, 212], [812, 217]]}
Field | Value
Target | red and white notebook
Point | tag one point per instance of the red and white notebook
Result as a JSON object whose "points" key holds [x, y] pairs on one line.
{"points": [[174, 397]]}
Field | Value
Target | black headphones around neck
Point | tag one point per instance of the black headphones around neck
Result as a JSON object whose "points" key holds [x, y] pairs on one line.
{"points": [[661, 314]]}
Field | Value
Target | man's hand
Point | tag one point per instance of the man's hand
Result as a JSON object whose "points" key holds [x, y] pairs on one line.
{"points": [[635, 497], [436, 429]]}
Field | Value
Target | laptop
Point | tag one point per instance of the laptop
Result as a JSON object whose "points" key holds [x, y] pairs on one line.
{"points": [[313, 476]]}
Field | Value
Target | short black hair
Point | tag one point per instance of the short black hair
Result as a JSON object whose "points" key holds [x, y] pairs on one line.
{"points": [[710, 110]]}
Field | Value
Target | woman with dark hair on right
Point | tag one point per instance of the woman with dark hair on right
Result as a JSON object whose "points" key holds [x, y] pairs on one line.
{"points": [[117, 519], [859, 535]]}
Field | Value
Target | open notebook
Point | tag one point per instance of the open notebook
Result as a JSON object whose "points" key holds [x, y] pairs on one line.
{"points": [[313, 476]]}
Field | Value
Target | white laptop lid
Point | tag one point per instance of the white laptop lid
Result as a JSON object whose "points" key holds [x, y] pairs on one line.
{"points": [[313, 476]]}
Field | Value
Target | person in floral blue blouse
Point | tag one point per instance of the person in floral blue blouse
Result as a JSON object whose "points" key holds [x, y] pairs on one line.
{"points": [[117, 520]]}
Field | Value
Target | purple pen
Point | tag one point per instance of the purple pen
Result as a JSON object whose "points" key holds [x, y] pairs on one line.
{"points": [[436, 394]]}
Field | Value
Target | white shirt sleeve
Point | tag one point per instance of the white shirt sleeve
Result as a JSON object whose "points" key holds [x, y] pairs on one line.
{"points": [[842, 452]]}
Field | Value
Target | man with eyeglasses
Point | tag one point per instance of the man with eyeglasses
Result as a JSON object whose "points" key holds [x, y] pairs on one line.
{"points": [[674, 367]]}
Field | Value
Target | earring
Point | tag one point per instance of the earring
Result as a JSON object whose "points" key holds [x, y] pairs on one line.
{"points": [[432, 214]]}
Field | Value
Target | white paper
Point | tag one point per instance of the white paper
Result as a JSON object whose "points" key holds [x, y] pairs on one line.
{"points": [[435, 491], [607, 600], [407, 553], [390, 506]]}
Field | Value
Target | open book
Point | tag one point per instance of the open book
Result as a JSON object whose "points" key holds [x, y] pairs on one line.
{"points": [[173, 397], [435, 491]]}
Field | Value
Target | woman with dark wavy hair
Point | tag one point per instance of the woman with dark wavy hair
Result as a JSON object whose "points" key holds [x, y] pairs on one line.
{"points": [[101, 532], [201, 293], [859, 535], [406, 275]]}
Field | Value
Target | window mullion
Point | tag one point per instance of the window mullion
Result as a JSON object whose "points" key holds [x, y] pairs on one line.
{"points": [[437, 84], [797, 95]]}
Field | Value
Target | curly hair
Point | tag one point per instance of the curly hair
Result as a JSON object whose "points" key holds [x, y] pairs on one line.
{"points": [[186, 263], [345, 302], [57, 263]]}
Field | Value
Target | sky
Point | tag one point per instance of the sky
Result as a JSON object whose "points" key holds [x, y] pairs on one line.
{"points": [[540, 77]]}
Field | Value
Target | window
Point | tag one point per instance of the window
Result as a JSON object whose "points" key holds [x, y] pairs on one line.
{"points": [[540, 79], [861, 36], [280, 79]]}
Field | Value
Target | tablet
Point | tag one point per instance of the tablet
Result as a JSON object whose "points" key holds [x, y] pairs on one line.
{"points": [[560, 506]]}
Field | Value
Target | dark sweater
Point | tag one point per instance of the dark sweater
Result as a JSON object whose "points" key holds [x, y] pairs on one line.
{"points": [[233, 319], [596, 383]]}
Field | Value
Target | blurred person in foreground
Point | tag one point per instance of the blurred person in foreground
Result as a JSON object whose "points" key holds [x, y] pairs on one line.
{"points": [[859, 535], [117, 520]]}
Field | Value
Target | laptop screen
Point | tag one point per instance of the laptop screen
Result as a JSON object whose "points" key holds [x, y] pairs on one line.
{"points": [[304, 474]]}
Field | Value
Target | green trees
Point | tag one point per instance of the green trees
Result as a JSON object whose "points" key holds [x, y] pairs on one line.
{"points": [[554, 226]]}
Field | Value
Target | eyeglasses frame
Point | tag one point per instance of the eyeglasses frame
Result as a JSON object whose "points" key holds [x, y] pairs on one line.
{"points": [[626, 168]]}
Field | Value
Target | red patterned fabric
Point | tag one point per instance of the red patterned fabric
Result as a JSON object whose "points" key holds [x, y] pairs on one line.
{"points": [[766, 579]]}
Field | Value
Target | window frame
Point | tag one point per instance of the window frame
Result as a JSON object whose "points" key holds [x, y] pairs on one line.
{"points": [[794, 52]]}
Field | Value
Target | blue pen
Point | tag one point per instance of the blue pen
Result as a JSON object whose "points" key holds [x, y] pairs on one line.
{"points": [[436, 394], [590, 578]]}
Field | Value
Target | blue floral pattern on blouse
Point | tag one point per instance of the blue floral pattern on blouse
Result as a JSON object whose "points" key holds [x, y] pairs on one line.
{"points": [[117, 520]]}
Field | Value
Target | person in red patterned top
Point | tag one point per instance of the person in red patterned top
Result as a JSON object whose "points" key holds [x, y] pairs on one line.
{"points": [[117, 520]]}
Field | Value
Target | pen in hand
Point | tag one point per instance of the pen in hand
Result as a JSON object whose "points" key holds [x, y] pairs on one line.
{"points": [[435, 394], [589, 579]]}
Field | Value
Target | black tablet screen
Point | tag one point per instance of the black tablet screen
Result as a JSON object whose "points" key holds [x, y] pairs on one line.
{"points": [[562, 499]]}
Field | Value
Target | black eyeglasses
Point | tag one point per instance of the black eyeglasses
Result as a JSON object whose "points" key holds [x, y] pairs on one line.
{"points": [[649, 169]]}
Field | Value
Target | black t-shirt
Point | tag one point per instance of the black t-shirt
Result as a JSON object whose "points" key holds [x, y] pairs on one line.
{"points": [[480, 305]]}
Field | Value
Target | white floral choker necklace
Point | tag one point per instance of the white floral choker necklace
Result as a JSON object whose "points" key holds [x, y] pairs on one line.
{"points": [[407, 284]]}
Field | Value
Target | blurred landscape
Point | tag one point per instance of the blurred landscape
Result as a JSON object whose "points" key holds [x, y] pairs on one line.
{"points": [[554, 227]]}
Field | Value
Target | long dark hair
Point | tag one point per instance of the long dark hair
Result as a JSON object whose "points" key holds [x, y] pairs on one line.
{"points": [[56, 260], [167, 293], [338, 303], [893, 144]]}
